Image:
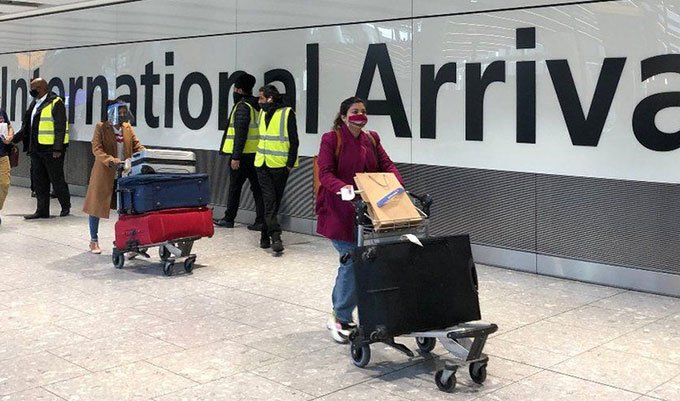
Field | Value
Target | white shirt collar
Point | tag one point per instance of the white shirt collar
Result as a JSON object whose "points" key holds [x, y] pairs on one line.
{"points": [[42, 99]]}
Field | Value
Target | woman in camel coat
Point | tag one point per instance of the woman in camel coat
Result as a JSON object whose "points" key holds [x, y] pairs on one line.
{"points": [[113, 142]]}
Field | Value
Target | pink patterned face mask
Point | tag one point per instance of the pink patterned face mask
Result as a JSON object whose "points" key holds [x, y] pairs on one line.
{"points": [[358, 119]]}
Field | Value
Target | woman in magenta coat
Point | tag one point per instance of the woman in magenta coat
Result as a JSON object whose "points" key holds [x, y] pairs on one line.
{"points": [[360, 151]]}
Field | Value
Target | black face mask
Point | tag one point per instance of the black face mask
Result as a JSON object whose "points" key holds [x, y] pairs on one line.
{"points": [[266, 106], [33, 93], [238, 97]]}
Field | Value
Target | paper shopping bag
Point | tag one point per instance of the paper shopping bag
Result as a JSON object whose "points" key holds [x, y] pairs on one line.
{"points": [[388, 204]]}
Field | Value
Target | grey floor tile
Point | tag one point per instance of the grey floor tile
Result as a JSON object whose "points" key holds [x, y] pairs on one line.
{"points": [[35, 339], [240, 387], [645, 304], [28, 372], [290, 340], [113, 323], [526, 353], [669, 391], [556, 387], [113, 351], [658, 340], [135, 382], [200, 331], [362, 392], [620, 370], [26, 316], [214, 361], [620, 321], [271, 314], [187, 308], [36, 394]]}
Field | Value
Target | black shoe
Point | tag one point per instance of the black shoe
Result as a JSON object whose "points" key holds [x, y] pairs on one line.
{"points": [[265, 243], [223, 223], [65, 212], [53, 195], [36, 216], [277, 245], [255, 227]]}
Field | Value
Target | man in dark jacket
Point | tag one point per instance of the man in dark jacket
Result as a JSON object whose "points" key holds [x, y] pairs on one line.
{"points": [[240, 143], [44, 133]]}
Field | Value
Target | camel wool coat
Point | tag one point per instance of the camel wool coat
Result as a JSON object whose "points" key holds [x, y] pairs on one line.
{"points": [[99, 199]]}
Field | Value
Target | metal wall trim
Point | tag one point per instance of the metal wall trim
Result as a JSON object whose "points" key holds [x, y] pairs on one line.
{"points": [[506, 258]]}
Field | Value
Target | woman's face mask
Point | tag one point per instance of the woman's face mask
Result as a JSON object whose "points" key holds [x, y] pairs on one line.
{"points": [[356, 115]]}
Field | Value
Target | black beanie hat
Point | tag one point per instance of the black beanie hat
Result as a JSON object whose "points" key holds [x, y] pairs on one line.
{"points": [[245, 82]]}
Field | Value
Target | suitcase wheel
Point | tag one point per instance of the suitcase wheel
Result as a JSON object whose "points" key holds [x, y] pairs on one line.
{"points": [[189, 264], [118, 259], [168, 266], [426, 344], [478, 372], [361, 354], [445, 385], [164, 253]]}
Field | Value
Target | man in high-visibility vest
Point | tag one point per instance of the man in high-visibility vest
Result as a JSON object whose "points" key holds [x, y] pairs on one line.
{"points": [[240, 143], [277, 154], [44, 133]]}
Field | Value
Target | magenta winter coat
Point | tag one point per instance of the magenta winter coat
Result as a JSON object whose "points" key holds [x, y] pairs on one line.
{"points": [[335, 217]]}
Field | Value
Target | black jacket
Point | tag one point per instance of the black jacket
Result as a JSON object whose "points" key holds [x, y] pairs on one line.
{"points": [[241, 125], [28, 134], [292, 133]]}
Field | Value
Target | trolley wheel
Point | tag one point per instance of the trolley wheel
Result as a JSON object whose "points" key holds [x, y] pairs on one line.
{"points": [[168, 266], [361, 354], [447, 386], [189, 264], [118, 259], [478, 372], [164, 253], [426, 344]]}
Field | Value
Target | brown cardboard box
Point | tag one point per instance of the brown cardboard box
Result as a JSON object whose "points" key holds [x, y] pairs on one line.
{"points": [[397, 212]]}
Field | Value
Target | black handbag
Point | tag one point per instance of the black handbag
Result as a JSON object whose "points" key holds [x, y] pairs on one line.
{"points": [[13, 154]]}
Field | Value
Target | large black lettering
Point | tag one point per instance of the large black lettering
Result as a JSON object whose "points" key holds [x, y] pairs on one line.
{"points": [[378, 57], [312, 112], [226, 82], [92, 84], [58, 84], [476, 84], [131, 97], [15, 86], [169, 91], [195, 123], [4, 88], [430, 84], [586, 130], [288, 81], [148, 80], [526, 88], [74, 84], [644, 125]]}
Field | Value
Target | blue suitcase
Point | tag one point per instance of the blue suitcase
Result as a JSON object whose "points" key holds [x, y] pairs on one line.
{"points": [[148, 192]]}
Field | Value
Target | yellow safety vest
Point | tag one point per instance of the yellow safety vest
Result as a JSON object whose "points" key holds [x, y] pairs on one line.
{"points": [[46, 125], [253, 132], [272, 149]]}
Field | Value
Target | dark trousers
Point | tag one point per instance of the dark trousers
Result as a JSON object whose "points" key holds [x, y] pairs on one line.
{"points": [[237, 178], [273, 184], [46, 170]]}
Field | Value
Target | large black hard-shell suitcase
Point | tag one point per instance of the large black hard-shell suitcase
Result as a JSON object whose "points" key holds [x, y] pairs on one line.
{"points": [[404, 288], [148, 192]]}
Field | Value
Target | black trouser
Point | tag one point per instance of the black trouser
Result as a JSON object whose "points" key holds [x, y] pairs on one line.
{"points": [[237, 178], [47, 169], [273, 183]]}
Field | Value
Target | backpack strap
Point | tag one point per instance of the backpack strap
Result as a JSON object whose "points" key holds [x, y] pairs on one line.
{"points": [[338, 143]]}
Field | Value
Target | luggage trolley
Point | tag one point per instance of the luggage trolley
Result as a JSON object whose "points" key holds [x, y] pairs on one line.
{"points": [[168, 251], [464, 342]]}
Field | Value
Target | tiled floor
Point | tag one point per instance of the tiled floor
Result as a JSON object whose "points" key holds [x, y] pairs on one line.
{"points": [[249, 326]]}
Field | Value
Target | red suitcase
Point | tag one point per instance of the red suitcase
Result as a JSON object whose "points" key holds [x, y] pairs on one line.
{"points": [[163, 225]]}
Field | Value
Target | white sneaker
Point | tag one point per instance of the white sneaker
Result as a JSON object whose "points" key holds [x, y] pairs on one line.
{"points": [[339, 331]]}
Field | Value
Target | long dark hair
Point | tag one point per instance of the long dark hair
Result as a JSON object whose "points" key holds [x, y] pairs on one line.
{"points": [[270, 91], [344, 108]]}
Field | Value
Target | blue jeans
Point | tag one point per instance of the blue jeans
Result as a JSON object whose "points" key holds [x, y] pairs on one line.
{"points": [[344, 292], [94, 228]]}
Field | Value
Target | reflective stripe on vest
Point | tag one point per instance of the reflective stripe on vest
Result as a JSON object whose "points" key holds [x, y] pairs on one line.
{"points": [[46, 125], [272, 150], [253, 132]]}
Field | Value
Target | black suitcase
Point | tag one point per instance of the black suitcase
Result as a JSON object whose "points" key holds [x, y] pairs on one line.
{"points": [[148, 192], [404, 288]]}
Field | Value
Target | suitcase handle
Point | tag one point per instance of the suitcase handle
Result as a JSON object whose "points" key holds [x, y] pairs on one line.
{"points": [[130, 191]]}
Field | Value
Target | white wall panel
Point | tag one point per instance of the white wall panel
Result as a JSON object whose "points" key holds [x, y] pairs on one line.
{"points": [[158, 19], [274, 14], [434, 7], [76, 28]]}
